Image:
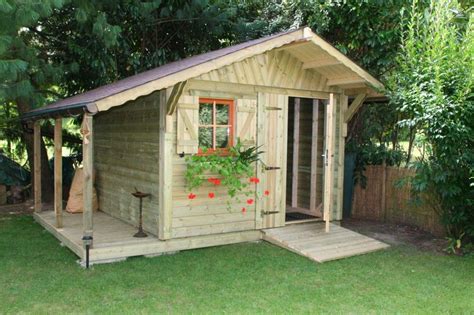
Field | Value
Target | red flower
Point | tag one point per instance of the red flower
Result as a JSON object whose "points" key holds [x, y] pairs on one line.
{"points": [[254, 180], [244, 210], [215, 181], [191, 196], [266, 192], [249, 201], [211, 195]]}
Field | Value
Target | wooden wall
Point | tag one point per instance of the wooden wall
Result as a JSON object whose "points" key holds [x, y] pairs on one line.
{"points": [[203, 215], [126, 157], [274, 69]]}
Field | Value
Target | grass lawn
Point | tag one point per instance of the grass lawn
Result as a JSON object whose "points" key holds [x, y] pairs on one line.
{"points": [[39, 276]]}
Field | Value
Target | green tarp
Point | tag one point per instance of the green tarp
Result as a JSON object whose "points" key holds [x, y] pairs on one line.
{"points": [[12, 173]]}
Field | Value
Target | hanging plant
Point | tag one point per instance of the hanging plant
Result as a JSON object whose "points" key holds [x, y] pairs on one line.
{"points": [[227, 168]]}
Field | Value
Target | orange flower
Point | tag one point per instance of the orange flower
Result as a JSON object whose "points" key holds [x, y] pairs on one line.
{"points": [[266, 193], [211, 195], [249, 201], [191, 196], [244, 210]]}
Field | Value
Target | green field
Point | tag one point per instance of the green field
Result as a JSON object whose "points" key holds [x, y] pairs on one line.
{"points": [[40, 276]]}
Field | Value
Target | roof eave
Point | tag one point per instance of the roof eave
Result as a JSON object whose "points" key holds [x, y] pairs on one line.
{"points": [[52, 112]]}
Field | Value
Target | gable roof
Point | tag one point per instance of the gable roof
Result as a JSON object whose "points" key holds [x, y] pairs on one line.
{"points": [[119, 92]]}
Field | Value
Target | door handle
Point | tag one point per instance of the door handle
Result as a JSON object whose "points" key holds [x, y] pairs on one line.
{"points": [[325, 156]]}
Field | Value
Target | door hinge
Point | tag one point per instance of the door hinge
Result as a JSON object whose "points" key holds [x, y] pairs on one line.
{"points": [[268, 212], [271, 168]]}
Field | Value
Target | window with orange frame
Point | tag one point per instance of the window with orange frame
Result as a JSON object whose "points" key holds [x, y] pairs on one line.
{"points": [[216, 124]]}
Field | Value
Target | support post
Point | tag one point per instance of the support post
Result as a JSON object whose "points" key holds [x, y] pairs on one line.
{"points": [[88, 174], [329, 160], [58, 172], [37, 165], [296, 150], [165, 169], [314, 156]]}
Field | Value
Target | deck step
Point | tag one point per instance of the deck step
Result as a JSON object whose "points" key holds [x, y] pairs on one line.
{"points": [[312, 241]]}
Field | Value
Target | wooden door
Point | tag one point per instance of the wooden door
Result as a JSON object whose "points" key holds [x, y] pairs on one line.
{"points": [[328, 168], [271, 135]]}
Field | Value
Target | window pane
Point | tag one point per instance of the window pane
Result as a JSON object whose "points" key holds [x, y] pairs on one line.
{"points": [[222, 137], [222, 114], [205, 113], [205, 138]]}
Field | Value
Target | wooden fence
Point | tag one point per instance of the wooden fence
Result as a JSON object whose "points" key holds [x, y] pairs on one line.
{"points": [[385, 200]]}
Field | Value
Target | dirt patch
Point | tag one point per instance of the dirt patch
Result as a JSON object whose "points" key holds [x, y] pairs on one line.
{"points": [[396, 234], [18, 208]]}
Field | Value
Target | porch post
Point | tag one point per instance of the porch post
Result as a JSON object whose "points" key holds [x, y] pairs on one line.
{"points": [[37, 165], [329, 158], [58, 172], [88, 170]]}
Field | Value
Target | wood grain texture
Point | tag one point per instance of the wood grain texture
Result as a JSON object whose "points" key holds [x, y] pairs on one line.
{"points": [[37, 165], [314, 242], [58, 172], [127, 156]]}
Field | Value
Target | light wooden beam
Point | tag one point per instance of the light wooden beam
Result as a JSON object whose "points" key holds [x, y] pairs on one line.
{"points": [[296, 149], [58, 172], [341, 142], [345, 81], [320, 62], [37, 165], [172, 100], [314, 157], [355, 105], [296, 44], [329, 157], [345, 61], [165, 201], [88, 175]]}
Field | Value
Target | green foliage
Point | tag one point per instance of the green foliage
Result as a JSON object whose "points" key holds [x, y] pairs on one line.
{"points": [[232, 168], [432, 87]]}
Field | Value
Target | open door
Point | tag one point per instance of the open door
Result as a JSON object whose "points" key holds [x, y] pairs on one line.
{"points": [[328, 169], [271, 136]]}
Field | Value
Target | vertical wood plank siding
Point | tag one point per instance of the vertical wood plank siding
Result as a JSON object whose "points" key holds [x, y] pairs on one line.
{"points": [[203, 215], [127, 157]]}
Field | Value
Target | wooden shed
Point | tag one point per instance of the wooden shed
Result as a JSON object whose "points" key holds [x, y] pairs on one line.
{"points": [[291, 93]]}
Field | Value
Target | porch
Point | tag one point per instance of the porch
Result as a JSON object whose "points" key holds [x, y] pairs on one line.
{"points": [[114, 241]]}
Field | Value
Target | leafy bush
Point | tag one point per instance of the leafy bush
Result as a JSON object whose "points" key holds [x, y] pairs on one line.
{"points": [[432, 87]]}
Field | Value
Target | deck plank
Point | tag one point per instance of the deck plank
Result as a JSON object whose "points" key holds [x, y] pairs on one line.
{"points": [[311, 240]]}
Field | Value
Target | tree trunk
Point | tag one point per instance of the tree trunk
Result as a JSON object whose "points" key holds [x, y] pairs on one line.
{"points": [[47, 179]]}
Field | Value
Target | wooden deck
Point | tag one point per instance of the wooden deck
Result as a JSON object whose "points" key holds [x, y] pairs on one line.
{"points": [[114, 241], [311, 240]]}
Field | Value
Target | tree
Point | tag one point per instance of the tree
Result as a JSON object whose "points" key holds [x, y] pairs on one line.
{"points": [[53, 49], [433, 88], [25, 74]]}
